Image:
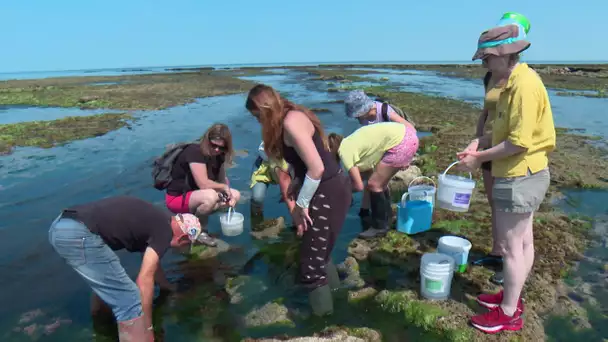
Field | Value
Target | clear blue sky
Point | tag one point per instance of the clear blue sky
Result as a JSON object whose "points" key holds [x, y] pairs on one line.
{"points": [[78, 34]]}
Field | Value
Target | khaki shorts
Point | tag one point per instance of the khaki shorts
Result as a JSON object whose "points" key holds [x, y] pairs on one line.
{"points": [[520, 194]]}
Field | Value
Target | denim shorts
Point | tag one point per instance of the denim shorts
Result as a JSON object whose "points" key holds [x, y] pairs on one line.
{"points": [[98, 265], [520, 194]]}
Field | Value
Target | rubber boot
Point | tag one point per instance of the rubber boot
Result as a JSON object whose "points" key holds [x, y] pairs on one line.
{"points": [[379, 216], [257, 209], [134, 331], [321, 301], [389, 207], [333, 278]]}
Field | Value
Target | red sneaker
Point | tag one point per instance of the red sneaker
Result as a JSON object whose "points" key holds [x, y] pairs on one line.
{"points": [[496, 320], [492, 301]]}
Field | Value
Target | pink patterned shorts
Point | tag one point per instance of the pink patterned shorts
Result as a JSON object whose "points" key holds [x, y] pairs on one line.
{"points": [[402, 155]]}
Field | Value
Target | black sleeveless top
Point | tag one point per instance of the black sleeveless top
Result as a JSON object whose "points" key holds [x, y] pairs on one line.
{"points": [[329, 161]]}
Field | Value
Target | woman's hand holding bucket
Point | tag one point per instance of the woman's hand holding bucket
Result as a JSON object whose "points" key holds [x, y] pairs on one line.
{"points": [[469, 161]]}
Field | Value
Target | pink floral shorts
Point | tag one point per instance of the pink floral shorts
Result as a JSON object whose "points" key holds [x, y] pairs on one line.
{"points": [[402, 155]]}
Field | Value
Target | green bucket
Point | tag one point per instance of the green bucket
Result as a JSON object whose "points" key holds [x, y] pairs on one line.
{"points": [[516, 17]]}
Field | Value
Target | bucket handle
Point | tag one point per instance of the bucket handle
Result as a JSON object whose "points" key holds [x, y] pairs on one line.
{"points": [[454, 163], [420, 177], [403, 198], [229, 217]]}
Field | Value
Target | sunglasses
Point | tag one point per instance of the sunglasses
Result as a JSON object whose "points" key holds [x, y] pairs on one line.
{"points": [[216, 146]]}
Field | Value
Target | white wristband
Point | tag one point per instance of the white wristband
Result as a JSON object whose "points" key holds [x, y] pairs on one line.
{"points": [[307, 191]]}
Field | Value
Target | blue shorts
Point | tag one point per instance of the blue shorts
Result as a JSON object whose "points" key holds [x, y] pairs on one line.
{"points": [[98, 265]]}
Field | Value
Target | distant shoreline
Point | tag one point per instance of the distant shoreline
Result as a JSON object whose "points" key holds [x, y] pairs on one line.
{"points": [[287, 65]]}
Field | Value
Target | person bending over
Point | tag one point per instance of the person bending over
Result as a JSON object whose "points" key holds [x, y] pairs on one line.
{"points": [[383, 148], [269, 172], [367, 111], [87, 235]]}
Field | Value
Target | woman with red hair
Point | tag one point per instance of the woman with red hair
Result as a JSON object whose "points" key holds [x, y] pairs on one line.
{"points": [[294, 133]]}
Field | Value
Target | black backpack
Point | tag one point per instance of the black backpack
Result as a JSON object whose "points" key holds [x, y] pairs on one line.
{"points": [[163, 165], [397, 110]]}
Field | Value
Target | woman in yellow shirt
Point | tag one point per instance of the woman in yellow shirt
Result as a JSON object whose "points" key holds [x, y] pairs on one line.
{"points": [[493, 87], [522, 136], [383, 148]]}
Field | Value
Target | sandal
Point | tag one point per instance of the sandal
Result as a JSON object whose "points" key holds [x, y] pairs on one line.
{"points": [[489, 260], [497, 278]]}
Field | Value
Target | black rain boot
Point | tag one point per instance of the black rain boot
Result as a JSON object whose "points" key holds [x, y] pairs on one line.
{"points": [[389, 207], [321, 301], [379, 216], [333, 278]]}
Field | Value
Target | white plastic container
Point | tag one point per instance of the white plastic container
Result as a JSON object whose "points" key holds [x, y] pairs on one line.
{"points": [[232, 225], [422, 192], [436, 273], [456, 247], [455, 192]]}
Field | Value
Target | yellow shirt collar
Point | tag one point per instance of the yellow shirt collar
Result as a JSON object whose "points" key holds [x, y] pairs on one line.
{"points": [[518, 70]]}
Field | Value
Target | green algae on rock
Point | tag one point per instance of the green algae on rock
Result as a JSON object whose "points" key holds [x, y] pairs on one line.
{"points": [[598, 94], [130, 92], [46, 134]]}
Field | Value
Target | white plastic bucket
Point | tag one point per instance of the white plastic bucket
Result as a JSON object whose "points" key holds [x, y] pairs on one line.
{"points": [[232, 223], [456, 247], [422, 192], [455, 191], [436, 273]]}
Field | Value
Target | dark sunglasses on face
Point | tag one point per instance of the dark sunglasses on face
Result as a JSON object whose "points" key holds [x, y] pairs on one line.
{"points": [[218, 147]]}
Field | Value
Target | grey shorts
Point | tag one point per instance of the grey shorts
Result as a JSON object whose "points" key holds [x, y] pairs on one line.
{"points": [[520, 194]]}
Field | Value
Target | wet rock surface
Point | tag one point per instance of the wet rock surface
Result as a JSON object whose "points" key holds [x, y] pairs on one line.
{"points": [[403, 178], [270, 228], [268, 314], [349, 270], [207, 252]]}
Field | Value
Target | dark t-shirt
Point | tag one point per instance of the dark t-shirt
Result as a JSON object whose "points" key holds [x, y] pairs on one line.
{"points": [[486, 79], [126, 222], [182, 179]]}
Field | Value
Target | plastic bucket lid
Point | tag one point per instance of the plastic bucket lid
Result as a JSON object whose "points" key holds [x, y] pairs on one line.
{"points": [[421, 188], [455, 242], [456, 181], [436, 262]]}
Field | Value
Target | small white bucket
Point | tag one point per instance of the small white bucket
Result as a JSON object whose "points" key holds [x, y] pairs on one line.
{"points": [[232, 223], [436, 273], [456, 247], [455, 191], [422, 192]]}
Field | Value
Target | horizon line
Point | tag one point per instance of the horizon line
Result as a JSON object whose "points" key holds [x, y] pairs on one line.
{"points": [[283, 64]]}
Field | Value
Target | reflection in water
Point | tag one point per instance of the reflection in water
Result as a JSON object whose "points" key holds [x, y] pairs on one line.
{"points": [[37, 183], [587, 202]]}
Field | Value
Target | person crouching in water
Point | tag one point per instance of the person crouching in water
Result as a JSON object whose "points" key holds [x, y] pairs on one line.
{"points": [[384, 148], [87, 235], [324, 196], [199, 184], [267, 172]]}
